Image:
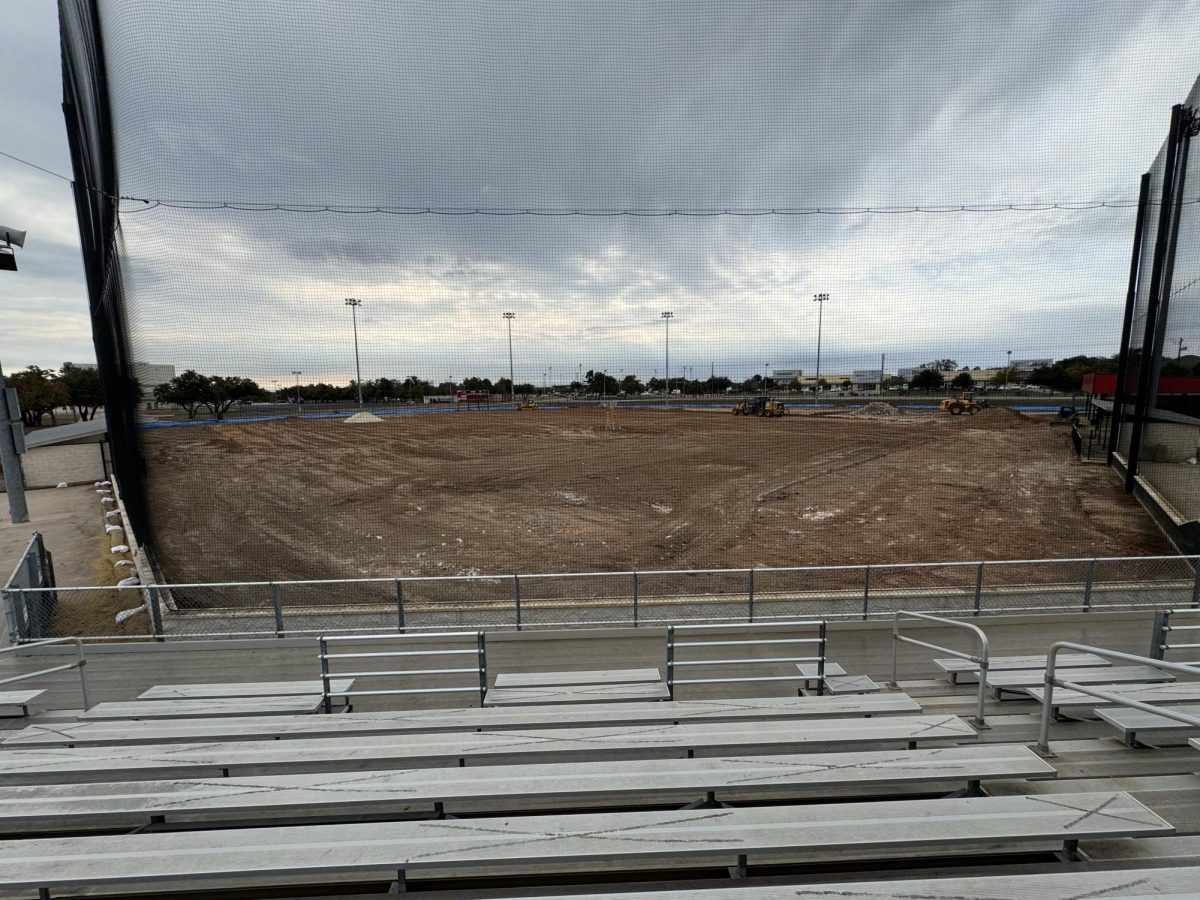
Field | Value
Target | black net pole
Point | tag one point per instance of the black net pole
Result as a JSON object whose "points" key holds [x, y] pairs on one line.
{"points": [[1118, 405]]}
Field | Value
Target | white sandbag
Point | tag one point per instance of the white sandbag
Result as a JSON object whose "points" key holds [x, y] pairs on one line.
{"points": [[121, 548], [112, 529]]}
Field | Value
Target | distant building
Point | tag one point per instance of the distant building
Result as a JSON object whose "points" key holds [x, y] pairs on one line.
{"points": [[865, 379], [151, 375], [787, 375], [1026, 366]]}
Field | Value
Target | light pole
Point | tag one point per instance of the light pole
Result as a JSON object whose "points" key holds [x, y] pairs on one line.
{"points": [[667, 317], [1179, 353], [882, 363], [1007, 370], [297, 373], [512, 385], [354, 305], [819, 299]]}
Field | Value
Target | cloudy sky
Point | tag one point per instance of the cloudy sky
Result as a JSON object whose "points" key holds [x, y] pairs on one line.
{"points": [[563, 106]]}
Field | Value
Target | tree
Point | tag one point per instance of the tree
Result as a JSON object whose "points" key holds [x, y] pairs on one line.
{"points": [[224, 391], [631, 385], [187, 391], [941, 365], [40, 393], [85, 392], [525, 389], [962, 381], [503, 387], [602, 384], [1006, 377], [927, 380], [847, 383], [476, 384]]}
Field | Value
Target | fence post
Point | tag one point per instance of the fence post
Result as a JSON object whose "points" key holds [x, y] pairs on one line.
{"points": [[821, 661], [895, 647], [400, 605], [10, 617], [1158, 637], [481, 659], [866, 592], [750, 596], [671, 661], [635, 599], [155, 614], [517, 599], [277, 606], [1196, 582], [326, 700], [1087, 585], [978, 588]]}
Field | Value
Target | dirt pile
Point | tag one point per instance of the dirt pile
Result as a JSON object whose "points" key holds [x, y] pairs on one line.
{"points": [[878, 410]]}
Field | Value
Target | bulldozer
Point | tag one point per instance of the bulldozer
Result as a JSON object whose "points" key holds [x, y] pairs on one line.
{"points": [[963, 403], [759, 406], [527, 403]]}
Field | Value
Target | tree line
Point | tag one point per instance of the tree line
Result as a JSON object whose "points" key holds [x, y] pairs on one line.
{"points": [[42, 392]]}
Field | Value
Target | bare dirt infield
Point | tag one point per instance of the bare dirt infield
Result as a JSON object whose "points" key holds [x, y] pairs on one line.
{"points": [[556, 491]]}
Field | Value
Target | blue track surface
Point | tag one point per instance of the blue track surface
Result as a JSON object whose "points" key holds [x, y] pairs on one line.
{"points": [[431, 410]]}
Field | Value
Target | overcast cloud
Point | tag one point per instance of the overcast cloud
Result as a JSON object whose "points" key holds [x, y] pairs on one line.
{"points": [[598, 105]]}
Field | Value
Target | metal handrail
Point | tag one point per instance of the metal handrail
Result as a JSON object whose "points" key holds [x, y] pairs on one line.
{"points": [[630, 572], [1052, 681], [1159, 641], [672, 645], [80, 663], [981, 659], [480, 668]]}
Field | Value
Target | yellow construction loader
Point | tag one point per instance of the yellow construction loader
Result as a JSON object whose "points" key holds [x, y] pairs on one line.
{"points": [[760, 406], [963, 403]]}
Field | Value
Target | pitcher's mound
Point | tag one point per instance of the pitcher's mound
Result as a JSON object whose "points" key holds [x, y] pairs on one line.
{"points": [[363, 417]]}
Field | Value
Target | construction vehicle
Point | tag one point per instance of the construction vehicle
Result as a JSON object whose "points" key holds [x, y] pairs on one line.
{"points": [[963, 403], [759, 406], [527, 403]]}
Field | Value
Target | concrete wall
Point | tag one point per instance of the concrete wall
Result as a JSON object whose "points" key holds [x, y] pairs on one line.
{"points": [[72, 463], [1169, 442]]}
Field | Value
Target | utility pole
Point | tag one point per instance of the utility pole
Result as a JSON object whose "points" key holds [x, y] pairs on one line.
{"points": [[14, 478], [667, 317], [354, 305], [512, 385], [819, 299], [1179, 353], [1007, 370], [297, 373], [882, 363]]}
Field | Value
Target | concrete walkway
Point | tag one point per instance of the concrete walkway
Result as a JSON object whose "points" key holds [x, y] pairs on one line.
{"points": [[70, 521]]}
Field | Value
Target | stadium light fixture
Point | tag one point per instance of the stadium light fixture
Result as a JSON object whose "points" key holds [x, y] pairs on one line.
{"points": [[667, 317], [10, 237], [512, 384], [354, 305], [819, 299]]}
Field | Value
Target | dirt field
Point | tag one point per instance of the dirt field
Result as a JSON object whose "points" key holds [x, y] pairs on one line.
{"points": [[546, 490]]}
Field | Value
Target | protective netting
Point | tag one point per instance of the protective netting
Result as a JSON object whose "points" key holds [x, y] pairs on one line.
{"points": [[589, 168]]}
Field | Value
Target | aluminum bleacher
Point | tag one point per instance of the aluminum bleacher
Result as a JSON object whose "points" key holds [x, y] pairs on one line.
{"points": [[581, 842], [100, 732], [484, 799], [148, 761]]}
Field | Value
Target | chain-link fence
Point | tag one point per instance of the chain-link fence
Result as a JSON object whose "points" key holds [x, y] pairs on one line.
{"points": [[583, 600]]}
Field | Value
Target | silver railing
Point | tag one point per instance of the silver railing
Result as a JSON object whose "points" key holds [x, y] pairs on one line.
{"points": [[1052, 681], [476, 652], [1166, 626], [981, 659], [80, 663], [639, 598], [719, 639]]}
